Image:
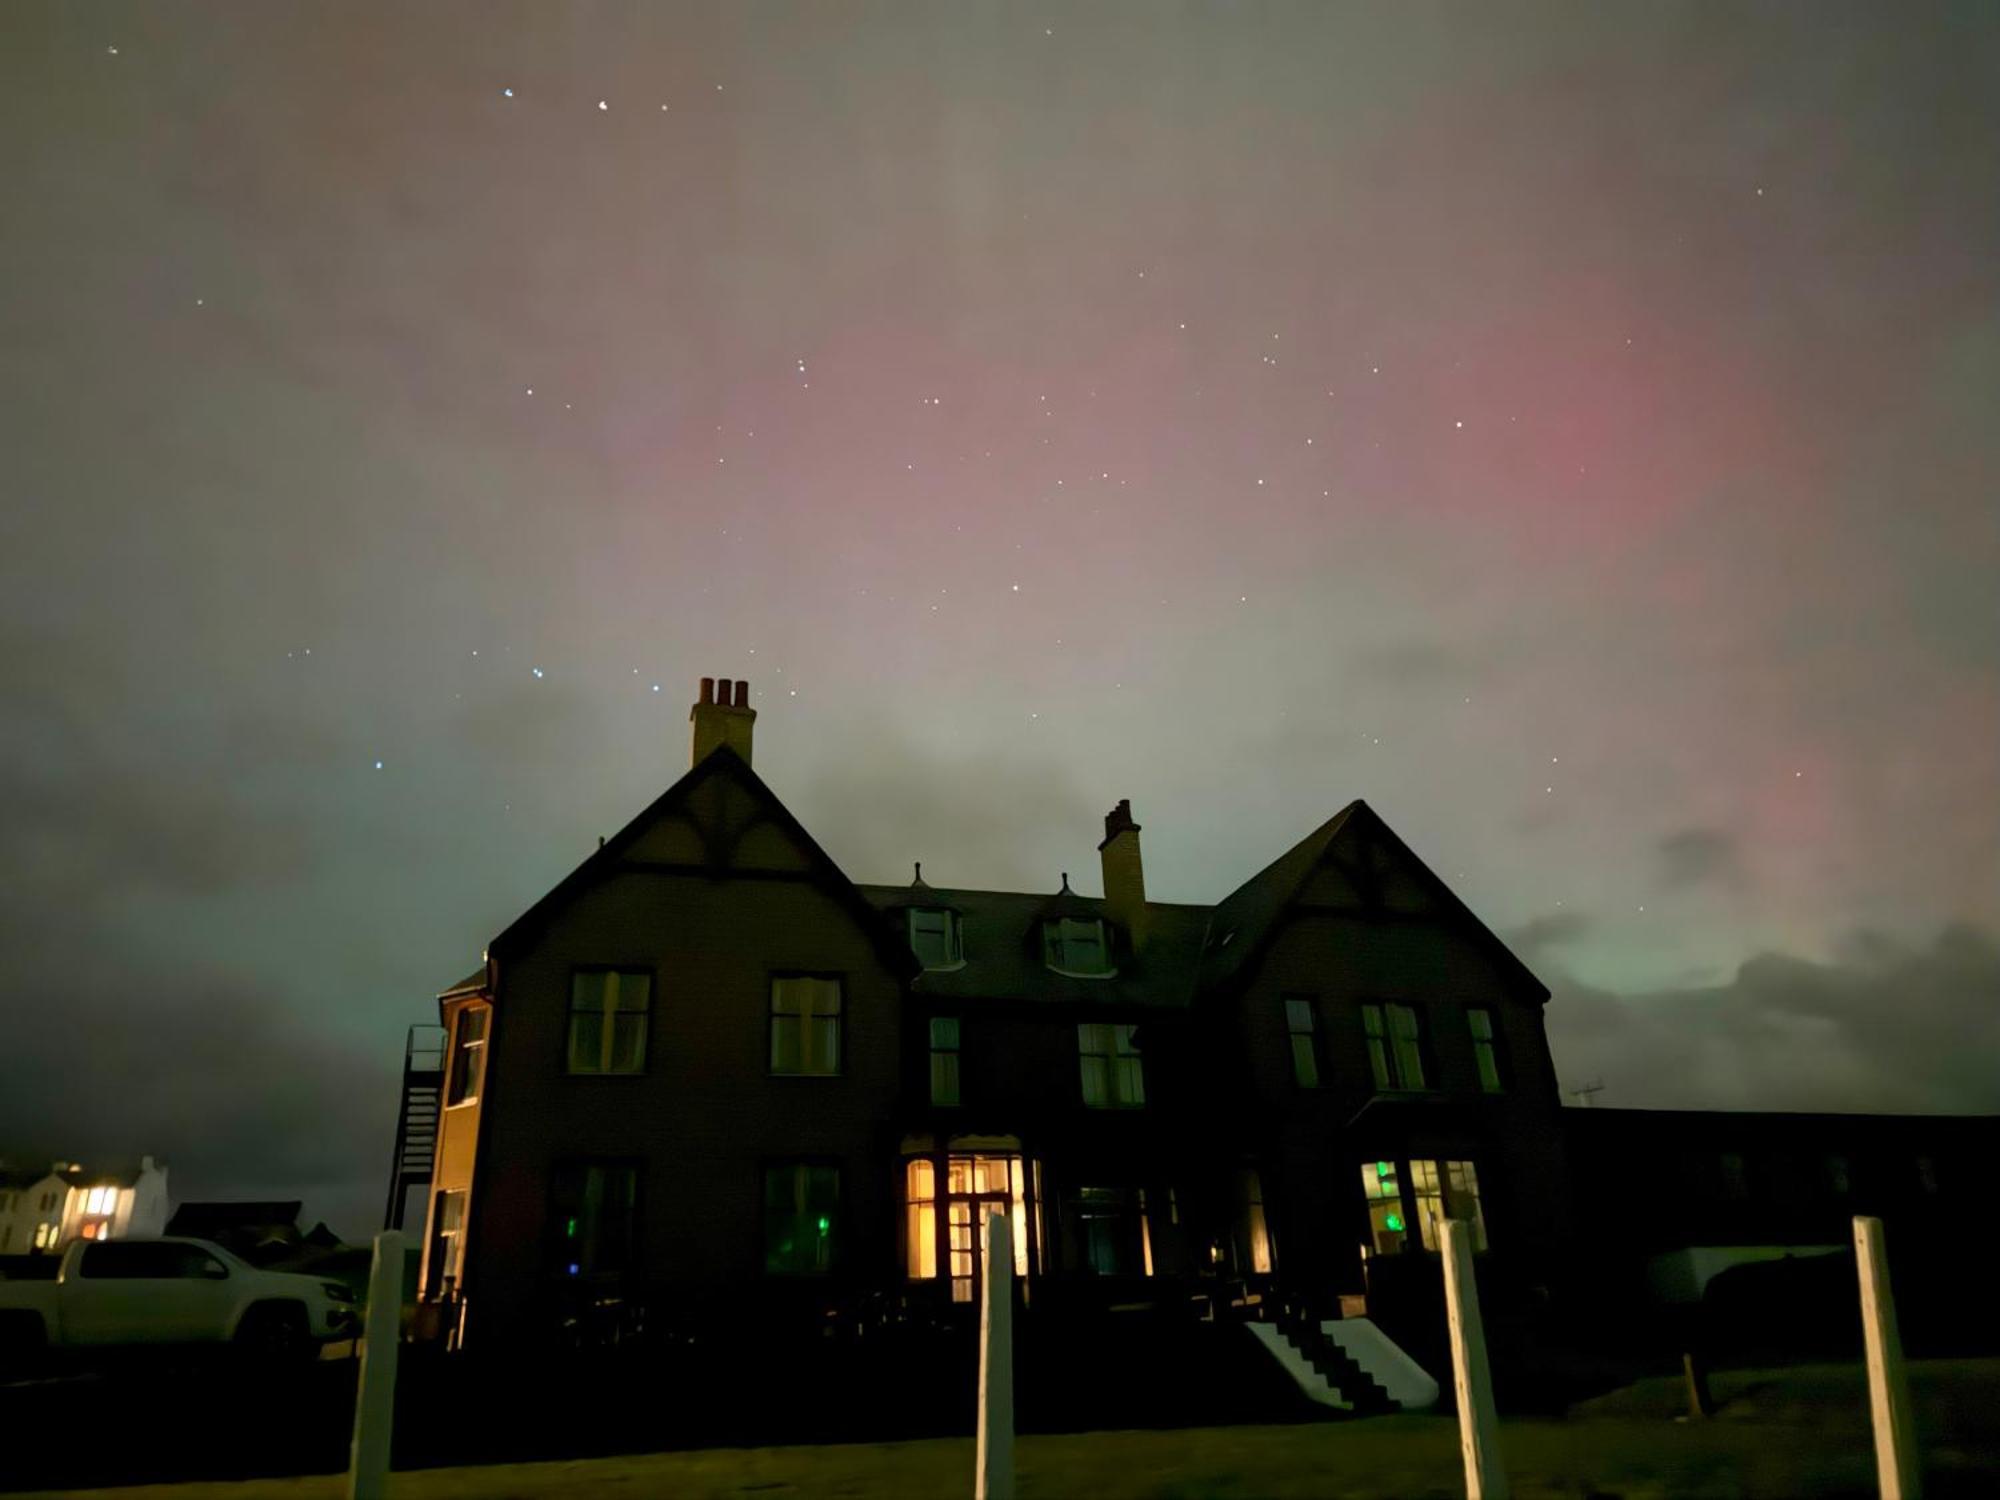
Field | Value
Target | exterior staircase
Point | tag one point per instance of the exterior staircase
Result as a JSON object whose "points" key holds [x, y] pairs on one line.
{"points": [[1359, 1391], [417, 1119]]}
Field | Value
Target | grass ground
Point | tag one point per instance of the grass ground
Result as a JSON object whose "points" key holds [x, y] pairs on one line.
{"points": [[1795, 1434]]}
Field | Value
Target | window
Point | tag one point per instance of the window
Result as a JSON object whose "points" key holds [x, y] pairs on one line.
{"points": [[1111, 1225], [1427, 1193], [1256, 1233], [596, 1214], [468, 1059], [805, 1026], [934, 937], [920, 1200], [447, 1243], [1305, 1057], [1113, 1073], [1395, 1050], [801, 1214], [144, 1260], [974, 1187], [45, 1236], [1074, 946], [1383, 1189], [944, 1060], [607, 1020], [1461, 1182], [100, 1200], [1485, 1047]]}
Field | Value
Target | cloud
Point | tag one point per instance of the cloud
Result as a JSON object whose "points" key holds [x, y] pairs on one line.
{"points": [[1413, 661], [1696, 856], [1545, 932], [1885, 1026]]}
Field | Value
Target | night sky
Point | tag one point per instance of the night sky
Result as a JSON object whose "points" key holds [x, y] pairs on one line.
{"points": [[1573, 429]]}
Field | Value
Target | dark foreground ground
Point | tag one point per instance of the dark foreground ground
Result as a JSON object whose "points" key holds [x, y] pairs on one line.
{"points": [[1795, 1434]]}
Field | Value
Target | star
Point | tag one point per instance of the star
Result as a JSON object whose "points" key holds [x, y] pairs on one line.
{"points": [[536, 670], [506, 93], [378, 765], [602, 104], [114, 52], [1458, 424]]}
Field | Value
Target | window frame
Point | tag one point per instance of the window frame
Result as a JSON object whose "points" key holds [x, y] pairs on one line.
{"points": [[455, 1084], [954, 937], [1294, 1005], [772, 1015], [610, 1032], [1115, 1034], [1385, 1045], [836, 1255], [1053, 937], [559, 1262], [1488, 1064], [955, 1052]]}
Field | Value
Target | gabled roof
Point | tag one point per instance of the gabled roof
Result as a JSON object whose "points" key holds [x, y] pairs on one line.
{"points": [[720, 762], [1001, 937], [122, 1174], [12, 1178], [1247, 920]]}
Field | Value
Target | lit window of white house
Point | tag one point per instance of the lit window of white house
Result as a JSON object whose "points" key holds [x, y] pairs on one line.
{"points": [[1113, 1072], [934, 937], [1075, 945], [100, 1200]]}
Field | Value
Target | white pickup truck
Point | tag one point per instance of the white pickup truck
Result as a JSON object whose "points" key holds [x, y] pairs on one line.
{"points": [[109, 1293]]}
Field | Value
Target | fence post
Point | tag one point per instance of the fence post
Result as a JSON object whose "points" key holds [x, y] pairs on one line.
{"points": [[375, 1400], [1472, 1380], [995, 1455], [1694, 1367], [1896, 1467]]}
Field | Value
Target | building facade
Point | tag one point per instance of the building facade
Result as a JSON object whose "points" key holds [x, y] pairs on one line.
{"points": [[708, 1075], [43, 1209]]}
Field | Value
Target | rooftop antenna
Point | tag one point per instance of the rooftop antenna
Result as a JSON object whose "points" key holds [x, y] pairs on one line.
{"points": [[1582, 1095]]}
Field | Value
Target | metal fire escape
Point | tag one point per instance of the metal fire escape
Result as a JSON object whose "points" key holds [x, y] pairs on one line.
{"points": [[417, 1120]]}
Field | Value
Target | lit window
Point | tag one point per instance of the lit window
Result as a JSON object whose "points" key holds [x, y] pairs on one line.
{"points": [[1074, 946], [607, 1020], [45, 1236], [1256, 1233], [447, 1243], [934, 937], [801, 1213], [1427, 1194], [1461, 1183], [1113, 1072], [1305, 1058], [805, 1026], [100, 1200], [1485, 1047], [1383, 1190], [920, 1194], [1395, 1046], [944, 1060], [595, 1207], [468, 1061], [974, 1187]]}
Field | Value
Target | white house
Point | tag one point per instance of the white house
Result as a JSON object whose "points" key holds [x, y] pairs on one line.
{"points": [[115, 1201], [33, 1201]]}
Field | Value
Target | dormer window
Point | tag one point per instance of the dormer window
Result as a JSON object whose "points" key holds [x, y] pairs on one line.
{"points": [[1074, 945], [934, 937]]}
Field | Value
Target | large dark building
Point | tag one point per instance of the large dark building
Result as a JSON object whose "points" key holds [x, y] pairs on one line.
{"points": [[709, 1074]]}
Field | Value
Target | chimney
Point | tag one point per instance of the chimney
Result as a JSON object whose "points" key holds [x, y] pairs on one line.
{"points": [[722, 717], [1124, 875]]}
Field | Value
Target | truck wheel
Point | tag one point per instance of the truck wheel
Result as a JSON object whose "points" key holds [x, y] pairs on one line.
{"points": [[24, 1344], [274, 1333]]}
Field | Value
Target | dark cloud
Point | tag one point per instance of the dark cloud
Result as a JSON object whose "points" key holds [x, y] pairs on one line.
{"points": [[1885, 1026], [1697, 856], [1533, 938]]}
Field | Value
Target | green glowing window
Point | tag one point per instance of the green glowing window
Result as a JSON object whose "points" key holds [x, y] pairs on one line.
{"points": [[801, 1218]]}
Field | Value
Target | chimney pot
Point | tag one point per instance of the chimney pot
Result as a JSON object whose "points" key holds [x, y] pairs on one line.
{"points": [[742, 693], [708, 690], [722, 717], [723, 687]]}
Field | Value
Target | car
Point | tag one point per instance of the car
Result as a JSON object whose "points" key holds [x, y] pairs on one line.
{"points": [[169, 1292]]}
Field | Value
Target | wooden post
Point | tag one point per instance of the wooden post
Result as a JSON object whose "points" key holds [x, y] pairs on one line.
{"points": [[1472, 1381], [1896, 1466], [1695, 1367], [995, 1449], [375, 1400]]}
